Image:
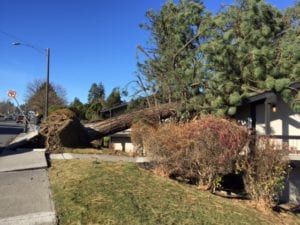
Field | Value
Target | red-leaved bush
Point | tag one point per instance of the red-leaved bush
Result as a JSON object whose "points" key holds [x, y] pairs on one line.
{"points": [[205, 149], [198, 151]]}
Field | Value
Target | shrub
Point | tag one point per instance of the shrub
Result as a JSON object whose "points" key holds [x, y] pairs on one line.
{"points": [[199, 151], [265, 171], [141, 132], [216, 147], [204, 150], [106, 141]]}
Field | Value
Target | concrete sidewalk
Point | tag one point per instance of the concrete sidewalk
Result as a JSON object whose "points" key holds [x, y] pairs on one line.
{"points": [[22, 159], [25, 195], [25, 198]]}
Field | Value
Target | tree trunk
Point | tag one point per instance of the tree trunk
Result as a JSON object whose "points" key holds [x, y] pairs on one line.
{"points": [[103, 128]]}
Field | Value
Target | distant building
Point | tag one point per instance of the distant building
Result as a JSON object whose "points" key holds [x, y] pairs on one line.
{"points": [[114, 111]]}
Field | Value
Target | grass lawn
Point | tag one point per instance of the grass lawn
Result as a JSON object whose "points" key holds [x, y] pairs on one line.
{"points": [[92, 192]]}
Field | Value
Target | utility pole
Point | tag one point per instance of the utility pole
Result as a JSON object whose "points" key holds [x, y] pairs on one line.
{"points": [[47, 83]]}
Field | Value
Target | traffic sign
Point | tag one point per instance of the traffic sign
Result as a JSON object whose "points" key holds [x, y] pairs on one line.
{"points": [[12, 93]]}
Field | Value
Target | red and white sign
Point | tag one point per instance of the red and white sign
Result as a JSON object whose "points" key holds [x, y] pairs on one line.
{"points": [[12, 93]]}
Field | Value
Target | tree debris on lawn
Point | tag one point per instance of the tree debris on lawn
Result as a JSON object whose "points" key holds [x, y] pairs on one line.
{"points": [[63, 129]]}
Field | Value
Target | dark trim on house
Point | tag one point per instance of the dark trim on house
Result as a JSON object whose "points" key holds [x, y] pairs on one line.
{"points": [[114, 111], [123, 105], [259, 97], [295, 85], [283, 137], [253, 116], [121, 135], [267, 117]]}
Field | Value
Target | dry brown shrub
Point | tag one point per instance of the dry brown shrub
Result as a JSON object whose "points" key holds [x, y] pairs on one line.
{"points": [[203, 150], [265, 171], [199, 151], [140, 132], [216, 147]]}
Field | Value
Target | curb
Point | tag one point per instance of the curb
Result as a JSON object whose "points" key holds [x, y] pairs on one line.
{"points": [[41, 218], [109, 158]]}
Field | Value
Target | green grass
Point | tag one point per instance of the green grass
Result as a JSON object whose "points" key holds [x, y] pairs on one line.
{"points": [[92, 192]]}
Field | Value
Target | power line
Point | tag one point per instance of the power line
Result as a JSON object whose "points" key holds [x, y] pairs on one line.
{"points": [[15, 38]]}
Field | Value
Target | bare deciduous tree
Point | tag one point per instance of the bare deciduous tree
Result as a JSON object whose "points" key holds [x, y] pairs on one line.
{"points": [[6, 107], [35, 96]]}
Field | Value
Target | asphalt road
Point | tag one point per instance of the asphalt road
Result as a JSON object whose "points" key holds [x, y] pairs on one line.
{"points": [[8, 130]]}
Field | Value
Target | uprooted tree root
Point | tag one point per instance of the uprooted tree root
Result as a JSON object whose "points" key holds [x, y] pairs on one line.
{"points": [[63, 129]]}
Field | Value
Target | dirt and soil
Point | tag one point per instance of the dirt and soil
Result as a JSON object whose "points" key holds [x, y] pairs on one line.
{"points": [[63, 129]]}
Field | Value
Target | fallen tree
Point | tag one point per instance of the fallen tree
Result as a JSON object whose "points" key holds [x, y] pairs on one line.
{"points": [[103, 128], [63, 129]]}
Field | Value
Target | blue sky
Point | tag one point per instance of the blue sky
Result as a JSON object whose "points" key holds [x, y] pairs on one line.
{"points": [[90, 41]]}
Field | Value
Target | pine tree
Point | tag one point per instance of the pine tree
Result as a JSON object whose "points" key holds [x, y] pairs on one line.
{"points": [[289, 63], [96, 93], [242, 55], [173, 65], [78, 107], [96, 101], [113, 99], [210, 64]]}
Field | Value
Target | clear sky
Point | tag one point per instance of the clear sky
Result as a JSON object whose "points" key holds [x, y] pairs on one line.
{"points": [[90, 41]]}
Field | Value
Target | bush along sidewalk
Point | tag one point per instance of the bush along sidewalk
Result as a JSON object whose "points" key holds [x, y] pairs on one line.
{"points": [[210, 150]]}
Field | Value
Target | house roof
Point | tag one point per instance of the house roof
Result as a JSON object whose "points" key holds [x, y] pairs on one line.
{"points": [[295, 85], [123, 105], [271, 95], [259, 97]]}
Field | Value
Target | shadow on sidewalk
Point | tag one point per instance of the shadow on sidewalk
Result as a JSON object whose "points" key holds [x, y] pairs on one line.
{"points": [[7, 152]]}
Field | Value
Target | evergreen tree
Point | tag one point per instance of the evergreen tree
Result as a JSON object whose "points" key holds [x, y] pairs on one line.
{"points": [[242, 56], [289, 45], [93, 111], [78, 107], [113, 99], [173, 65], [96, 93], [209, 64]]}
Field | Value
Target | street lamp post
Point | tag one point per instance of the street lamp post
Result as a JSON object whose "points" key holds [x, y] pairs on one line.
{"points": [[47, 74]]}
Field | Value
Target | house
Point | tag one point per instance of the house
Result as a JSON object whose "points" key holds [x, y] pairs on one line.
{"points": [[267, 114], [114, 111], [122, 141]]}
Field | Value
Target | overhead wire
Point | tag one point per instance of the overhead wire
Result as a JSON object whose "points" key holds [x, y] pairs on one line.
{"points": [[22, 42]]}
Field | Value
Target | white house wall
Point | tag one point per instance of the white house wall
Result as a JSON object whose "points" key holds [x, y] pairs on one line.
{"points": [[282, 122], [129, 148]]}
